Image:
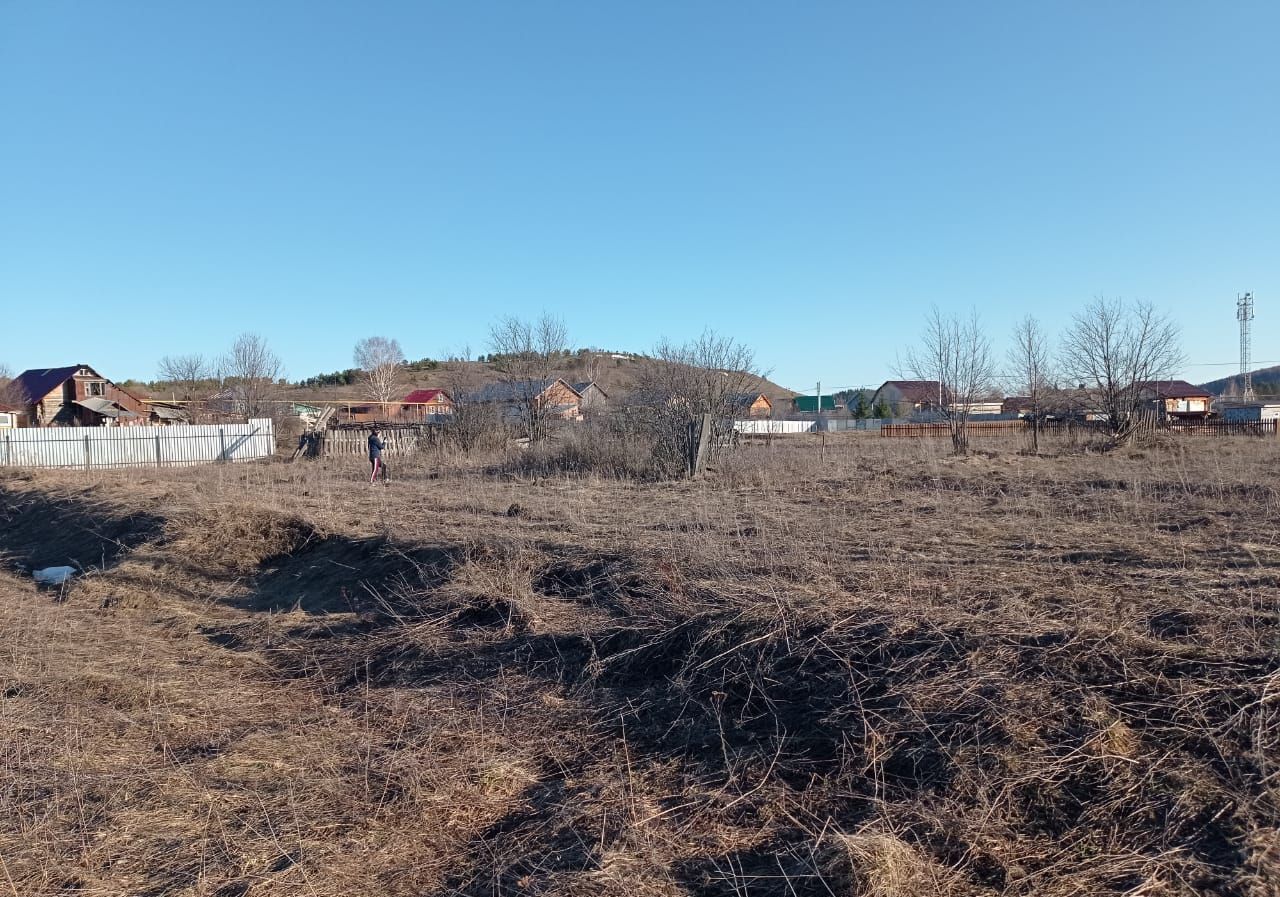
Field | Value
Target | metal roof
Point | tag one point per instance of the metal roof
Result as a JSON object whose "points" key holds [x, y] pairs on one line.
{"points": [[918, 391], [167, 412], [105, 407], [515, 390], [1176, 389], [34, 384], [423, 396]]}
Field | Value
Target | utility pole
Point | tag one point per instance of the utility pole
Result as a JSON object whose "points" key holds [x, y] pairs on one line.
{"points": [[1244, 314], [822, 450]]}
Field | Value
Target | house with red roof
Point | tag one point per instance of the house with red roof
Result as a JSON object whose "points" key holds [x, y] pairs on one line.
{"points": [[73, 396], [907, 397], [1178, 399], [426, 404]]}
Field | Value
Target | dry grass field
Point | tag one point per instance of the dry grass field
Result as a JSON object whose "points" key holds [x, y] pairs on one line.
{"points": [[883, 672]]}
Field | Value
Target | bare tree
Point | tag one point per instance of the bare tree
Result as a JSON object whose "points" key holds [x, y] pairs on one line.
{"points": [[711, 375], [381, 362], [458, 354], [1118, 350], [957, 354], [250, 371], [9, 389], [186, 373], [1030, 371], [527, 354]]}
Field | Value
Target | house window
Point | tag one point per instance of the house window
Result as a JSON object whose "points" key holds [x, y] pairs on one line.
{"points": [[95, 388]]}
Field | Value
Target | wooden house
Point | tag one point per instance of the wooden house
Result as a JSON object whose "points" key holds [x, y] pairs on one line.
{"points": [[10, 416], [426, 405], [559, 400], [751, 404], [594, 398], [74, 396]]}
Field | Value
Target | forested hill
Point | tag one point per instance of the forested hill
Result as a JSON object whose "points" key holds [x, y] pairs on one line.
{"points": [[1266, 382]]}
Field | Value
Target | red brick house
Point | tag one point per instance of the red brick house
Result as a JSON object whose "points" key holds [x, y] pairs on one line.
{"points": [[74, 396]]}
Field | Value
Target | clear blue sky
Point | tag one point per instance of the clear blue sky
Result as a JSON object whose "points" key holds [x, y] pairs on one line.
{"points": [[806, 177]]}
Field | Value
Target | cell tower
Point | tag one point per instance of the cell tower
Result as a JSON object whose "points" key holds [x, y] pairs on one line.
{"points": [[1244, 314]]}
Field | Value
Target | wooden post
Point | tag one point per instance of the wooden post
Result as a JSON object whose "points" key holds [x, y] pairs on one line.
{"points": [[159, 463], [699, 444], [222, 443], [86, 451]]}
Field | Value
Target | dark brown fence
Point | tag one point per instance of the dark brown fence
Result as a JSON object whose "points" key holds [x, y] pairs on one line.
{"points": [[981, 429], [976, 429]]}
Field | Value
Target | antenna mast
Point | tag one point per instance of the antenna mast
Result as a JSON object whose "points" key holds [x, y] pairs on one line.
{"points": [[1244, 314]]}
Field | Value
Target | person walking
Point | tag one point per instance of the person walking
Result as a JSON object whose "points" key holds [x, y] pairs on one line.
{"points": [[376, 466]]}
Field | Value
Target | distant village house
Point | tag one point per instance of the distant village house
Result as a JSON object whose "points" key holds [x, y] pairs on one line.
{"points": [[1178, 399], [594, 398], [426, 405], [556, 397], [907, 397], [73, 396], [752, 404]]}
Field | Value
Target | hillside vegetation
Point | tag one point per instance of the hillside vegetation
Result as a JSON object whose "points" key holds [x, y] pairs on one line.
{"points": [[618, 373], [848, 667], [1266, 382]]}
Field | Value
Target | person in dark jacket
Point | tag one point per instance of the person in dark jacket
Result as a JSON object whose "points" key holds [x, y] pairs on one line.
{"points": [[376, 466]]}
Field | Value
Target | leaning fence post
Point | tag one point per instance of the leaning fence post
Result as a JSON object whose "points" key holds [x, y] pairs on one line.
{"points": [[699, 443], [86, 451], [8, 450], [222, 444], [158, 464]]}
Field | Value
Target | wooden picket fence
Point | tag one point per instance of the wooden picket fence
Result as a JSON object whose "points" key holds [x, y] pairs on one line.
{"points": [[398, 440]]}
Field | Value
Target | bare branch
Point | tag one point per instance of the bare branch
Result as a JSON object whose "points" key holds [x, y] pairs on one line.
{"points": [[186, 373], [712, 374], [1115, 350], [250, 371], [956, 354], [526, 354], [381, 362], [1030, 371]]}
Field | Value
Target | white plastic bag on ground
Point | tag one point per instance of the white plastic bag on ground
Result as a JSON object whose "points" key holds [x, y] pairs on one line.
{"points": [[53, 576]]}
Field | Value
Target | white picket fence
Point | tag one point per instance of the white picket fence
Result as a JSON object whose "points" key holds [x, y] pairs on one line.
{"points": [[773, 427], [90, 448]]}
